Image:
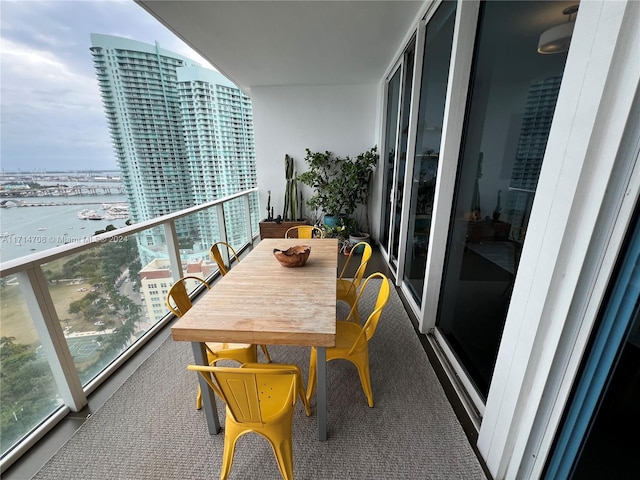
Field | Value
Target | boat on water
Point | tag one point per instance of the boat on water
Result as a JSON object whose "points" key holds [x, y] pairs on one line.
{"points": [[115, 216], [115, 211], [87, 214]]}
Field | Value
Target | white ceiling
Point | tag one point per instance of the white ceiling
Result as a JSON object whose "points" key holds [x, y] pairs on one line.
{"points": [[267, 43]]}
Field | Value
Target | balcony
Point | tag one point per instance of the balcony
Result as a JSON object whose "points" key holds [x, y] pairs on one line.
{"points": [[130, 328], [73, 314]]}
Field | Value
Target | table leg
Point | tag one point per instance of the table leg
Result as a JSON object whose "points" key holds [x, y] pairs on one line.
{"points": [[321, 395], [208, 397]]}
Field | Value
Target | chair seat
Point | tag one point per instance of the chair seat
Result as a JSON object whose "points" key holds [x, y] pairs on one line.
{"points": [[240, 352], [346, 335], [344, 287], [220, 347]]}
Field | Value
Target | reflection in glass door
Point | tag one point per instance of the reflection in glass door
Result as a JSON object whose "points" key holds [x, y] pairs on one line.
{"points": [[435, 70], [513, 95], [398, 108]]}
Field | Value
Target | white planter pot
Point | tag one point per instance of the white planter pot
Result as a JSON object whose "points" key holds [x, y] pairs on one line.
{"points": [[354, 239]]}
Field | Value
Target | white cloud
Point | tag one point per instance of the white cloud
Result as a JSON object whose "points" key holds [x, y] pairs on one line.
{"points": [[41, 80], [52, 114]]}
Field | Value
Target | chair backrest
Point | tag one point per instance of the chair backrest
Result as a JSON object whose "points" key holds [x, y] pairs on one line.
{"points": [[366, 256], [178, 300], [369, 327], [304, 231], [254, 396], [216, 256]]}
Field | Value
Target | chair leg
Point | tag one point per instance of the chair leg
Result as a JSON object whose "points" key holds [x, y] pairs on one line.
{"points": [[362, 364], [311, 385], [199, 399], [284, 456], [304, 399], [266, 353], [231, 435]]}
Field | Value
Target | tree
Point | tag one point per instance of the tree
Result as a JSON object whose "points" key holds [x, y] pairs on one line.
{"points": [[340, 184], [27, 390]]}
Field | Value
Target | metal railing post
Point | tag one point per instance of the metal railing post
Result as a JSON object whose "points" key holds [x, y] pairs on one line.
{"points": [[34, 289], [247, 216], [173, 249]]}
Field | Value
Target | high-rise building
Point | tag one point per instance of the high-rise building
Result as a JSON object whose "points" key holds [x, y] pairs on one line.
{"points": [[182, 135], [218, 126]]}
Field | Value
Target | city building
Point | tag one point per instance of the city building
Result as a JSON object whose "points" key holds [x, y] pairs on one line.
{"points": [[156, 280], [182, 135], [218, 129]]}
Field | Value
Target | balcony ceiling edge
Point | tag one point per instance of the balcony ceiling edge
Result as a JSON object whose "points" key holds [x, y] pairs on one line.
{"points": [[256, 43]]}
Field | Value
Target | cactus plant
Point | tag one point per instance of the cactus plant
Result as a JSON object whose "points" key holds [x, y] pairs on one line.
{"points": [[291, 191]]}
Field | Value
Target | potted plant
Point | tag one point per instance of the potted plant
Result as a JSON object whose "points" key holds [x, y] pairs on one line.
{"points": [[340, 184], [292, 215]]}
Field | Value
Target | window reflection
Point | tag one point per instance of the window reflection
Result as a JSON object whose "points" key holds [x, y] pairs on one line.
{"points": [[512, 95]]}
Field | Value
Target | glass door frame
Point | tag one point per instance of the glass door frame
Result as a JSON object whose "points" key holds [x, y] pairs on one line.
{"points": [[455, 109], [389, 196], [411, 143], [458, 83], [387, 249]]}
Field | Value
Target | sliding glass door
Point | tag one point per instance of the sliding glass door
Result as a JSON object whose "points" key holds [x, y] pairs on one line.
{"points": [[389, 155], [511, 103], [433, 90], [397, 127]]}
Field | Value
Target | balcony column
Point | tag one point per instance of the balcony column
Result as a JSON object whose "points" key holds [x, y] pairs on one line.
{"points": [[33, 286]]}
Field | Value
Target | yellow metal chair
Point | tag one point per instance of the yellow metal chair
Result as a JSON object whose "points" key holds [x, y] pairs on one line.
{"points": [[260, 398], [178, 302], [352, 340], [216, 256], [304, 231], [347, 290]]}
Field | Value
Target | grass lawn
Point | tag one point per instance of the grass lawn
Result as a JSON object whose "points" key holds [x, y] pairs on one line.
{"points": [[15, 320]]}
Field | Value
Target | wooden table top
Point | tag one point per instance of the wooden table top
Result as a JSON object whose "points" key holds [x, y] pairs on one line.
{"points": [[259, 301]]}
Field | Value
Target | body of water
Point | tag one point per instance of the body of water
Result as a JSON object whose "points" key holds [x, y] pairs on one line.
{"points": [[25, 230]]}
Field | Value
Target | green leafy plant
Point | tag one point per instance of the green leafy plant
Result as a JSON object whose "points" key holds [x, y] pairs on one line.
{"points": [[339, 231], [340, 184]]}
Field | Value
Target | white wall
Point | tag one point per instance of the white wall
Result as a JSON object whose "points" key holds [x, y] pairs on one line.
{"points": [[287, 120]]}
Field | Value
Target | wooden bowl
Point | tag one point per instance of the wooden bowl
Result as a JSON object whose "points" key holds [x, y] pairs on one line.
{"points": [[292, 257]]}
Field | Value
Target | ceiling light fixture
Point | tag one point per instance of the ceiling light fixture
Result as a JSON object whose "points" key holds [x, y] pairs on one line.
{"points": [[557, 39]]}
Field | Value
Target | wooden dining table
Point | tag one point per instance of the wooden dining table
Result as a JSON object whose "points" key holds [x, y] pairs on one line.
{"points": [[261, 302]]}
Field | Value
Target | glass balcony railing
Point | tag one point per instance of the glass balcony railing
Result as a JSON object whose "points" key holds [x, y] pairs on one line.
{"points": [[71, 315], [28, 391]]}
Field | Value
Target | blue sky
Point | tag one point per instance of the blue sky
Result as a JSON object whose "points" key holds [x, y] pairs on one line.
{"points": [[50, 106]]}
